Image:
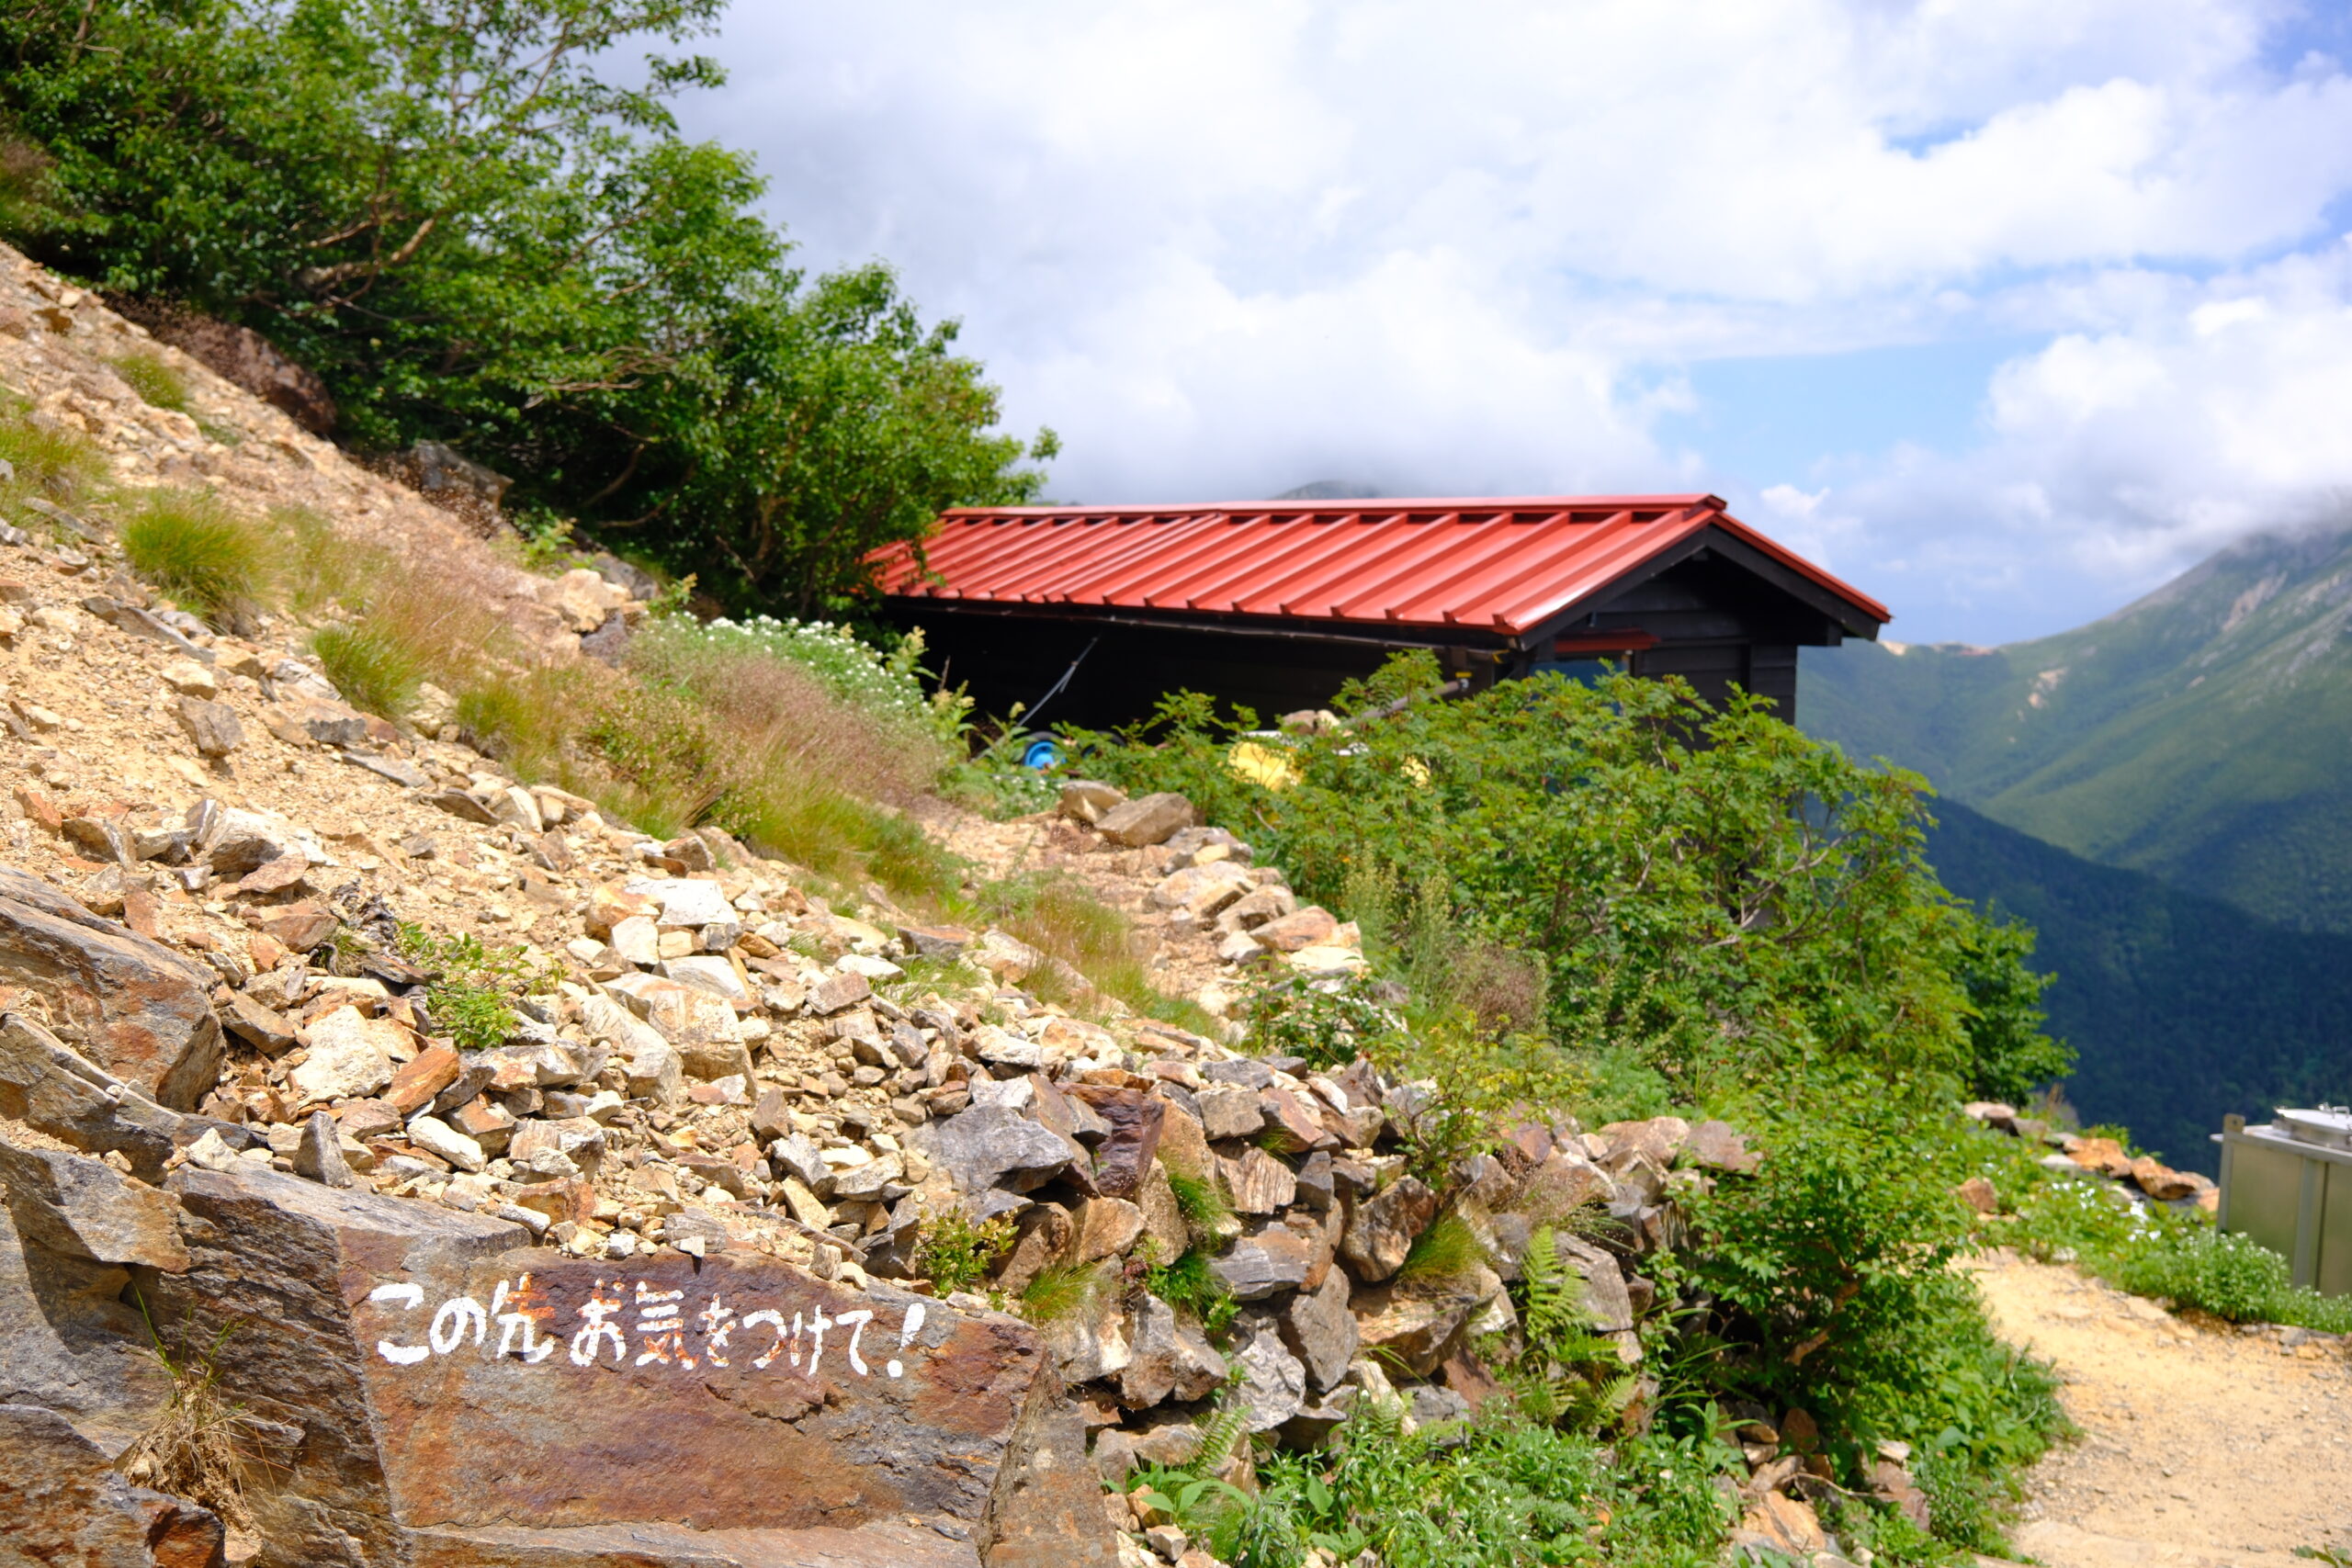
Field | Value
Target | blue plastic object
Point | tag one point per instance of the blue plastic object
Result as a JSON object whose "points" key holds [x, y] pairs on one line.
{"points": [[1042, 752]]}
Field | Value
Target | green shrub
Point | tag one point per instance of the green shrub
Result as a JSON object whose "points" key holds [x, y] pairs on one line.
{"points": [[954, 1252], [2011, 1055], [2233, 1277], [472, 985], [371, 669], [1504, 850], [194, 548], [1330, 1026], [1505, 1492], [1833, 1252], [157, 381]]}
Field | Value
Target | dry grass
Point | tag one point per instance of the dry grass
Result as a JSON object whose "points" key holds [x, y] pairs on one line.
{"points": [[406, 627], [192, 1450], [1059, 917]]}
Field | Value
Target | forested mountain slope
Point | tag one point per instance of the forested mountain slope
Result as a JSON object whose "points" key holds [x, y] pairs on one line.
{"points": [[2201, 735], [2182, 1008]]}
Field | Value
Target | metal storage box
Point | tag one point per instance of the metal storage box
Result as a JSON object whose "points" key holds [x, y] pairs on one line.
{"points": [[2288, 1185]]}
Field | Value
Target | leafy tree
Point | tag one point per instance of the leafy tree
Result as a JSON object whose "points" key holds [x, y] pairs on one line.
{"points": [[476, 236], [2013, 1056]]}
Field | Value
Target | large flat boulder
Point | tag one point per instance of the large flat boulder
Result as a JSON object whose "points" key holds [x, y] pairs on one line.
{"points": [[467, 1398], [134, 1007]]}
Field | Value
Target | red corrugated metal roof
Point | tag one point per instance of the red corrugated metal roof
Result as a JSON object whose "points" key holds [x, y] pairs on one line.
{"points": [[1499, 564]]}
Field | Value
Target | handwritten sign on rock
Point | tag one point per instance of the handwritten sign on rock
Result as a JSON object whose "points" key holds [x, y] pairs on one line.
{"points": [[446, 1377], [722, 1393]]}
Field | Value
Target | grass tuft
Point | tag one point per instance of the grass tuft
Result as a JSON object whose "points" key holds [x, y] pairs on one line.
{"points": [[157, 381], [1059, 1291], [49, 459], [1447, 1250], [1200, 1201], [370, 666], [194, 548], [1190, 1285]]}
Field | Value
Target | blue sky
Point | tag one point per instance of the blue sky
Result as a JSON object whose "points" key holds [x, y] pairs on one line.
{"points": [[2006, 310]]}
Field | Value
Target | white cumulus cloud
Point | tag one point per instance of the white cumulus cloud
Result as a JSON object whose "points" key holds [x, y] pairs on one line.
{"points": [[1228, 247]]}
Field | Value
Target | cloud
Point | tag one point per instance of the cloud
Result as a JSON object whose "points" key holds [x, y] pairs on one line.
{"points": [[1227, 246], [2110, 459]]}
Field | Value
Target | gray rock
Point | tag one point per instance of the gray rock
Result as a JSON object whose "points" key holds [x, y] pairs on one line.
{"points": [[869, 1180], [319, 1153], [710, 974], [1435, 1401], [686, 903], [1002, 1048], [63, 1503], [74, 1206], [935, 942], [1321, 1331], [1229, 1111], [212, 726], [1258, 1183], [796, 1156], [1412, 1326], [56, 1090], [1172, 1359], [1272, 1383], [1606, 1298], [1383, 1227], [844, 988], [265, 1027], [463, 807], [1085, 800], [657, 1072], [1245, 1071], [1269, 1259], [437, 1137], [1314, 1187], [1090, 1339], [992, 1146]]}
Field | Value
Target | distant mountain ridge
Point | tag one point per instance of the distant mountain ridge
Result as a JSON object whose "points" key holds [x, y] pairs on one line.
{"points": [[2181, 1009], [2202, 734]]}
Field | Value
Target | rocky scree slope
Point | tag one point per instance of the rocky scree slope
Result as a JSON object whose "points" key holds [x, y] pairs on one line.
{"points": [[663, 1268]]}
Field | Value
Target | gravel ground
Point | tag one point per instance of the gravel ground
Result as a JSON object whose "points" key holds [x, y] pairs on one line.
{"points": [[2203, 1446]]}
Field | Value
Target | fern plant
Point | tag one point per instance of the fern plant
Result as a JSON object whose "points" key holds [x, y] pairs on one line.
{"points": [[1569, 1375], [1206, 1506]]}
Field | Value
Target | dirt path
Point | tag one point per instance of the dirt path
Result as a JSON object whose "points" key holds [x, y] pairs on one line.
{"points": [[2201, 1448]]}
